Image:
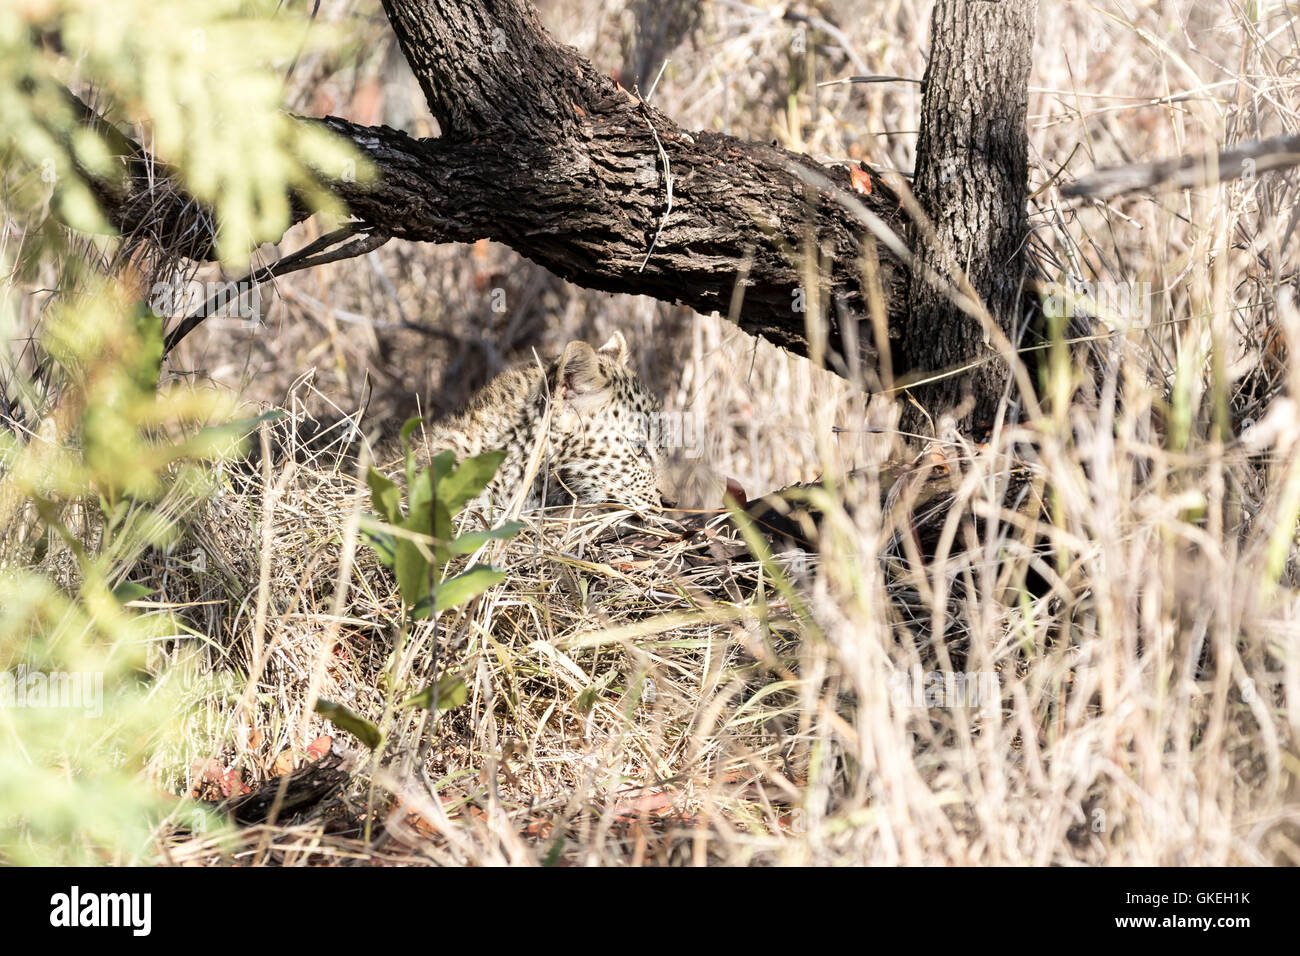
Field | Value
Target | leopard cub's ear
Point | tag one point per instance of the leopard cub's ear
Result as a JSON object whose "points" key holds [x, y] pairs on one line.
{"points": [[615, 348], [579, 372]]}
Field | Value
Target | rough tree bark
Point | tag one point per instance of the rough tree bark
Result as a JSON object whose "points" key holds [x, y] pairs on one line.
{"points": [[589, 169], [971, 171], [540, 151]]}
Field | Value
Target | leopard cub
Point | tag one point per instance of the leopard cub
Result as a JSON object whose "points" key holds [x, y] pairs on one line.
{"points": [[594, 420]]}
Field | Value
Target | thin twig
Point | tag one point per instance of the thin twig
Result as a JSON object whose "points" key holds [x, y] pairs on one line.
{"points": [[655, 84], [304, 258], [873, 78], [668, 185]]}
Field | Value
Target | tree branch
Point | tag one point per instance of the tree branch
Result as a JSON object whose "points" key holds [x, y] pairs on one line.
{"points": [[544, 154], [1185, 172], [309, 256]]}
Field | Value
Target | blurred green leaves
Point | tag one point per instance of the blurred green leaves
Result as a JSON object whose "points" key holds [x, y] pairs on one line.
{"points": [[108, 473], [101, 465], [203, 82]]}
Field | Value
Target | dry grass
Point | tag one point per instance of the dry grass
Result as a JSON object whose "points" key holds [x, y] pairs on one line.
{"points": [[1134, 600]]}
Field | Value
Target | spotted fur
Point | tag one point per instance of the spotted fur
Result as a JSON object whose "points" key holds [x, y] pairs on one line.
{"points": [[599, 446]]}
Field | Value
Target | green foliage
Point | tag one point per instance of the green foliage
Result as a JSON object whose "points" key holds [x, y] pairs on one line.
{"points": [[417, 542], [183, 71], [451, 690], [108, 464], [108, 476], [345, 719], [416, 539]]}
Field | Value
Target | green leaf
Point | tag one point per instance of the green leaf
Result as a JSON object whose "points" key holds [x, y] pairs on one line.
{"points": [[385, 495], [409, 427], [148, 360], [467, 585], [412, 570], [383, 543], [476, 539], [443, 464], [344, 719], [442, 532], [77, 208], [94, 155], [424, 504], [553, 855], [113, 512], [452, 692], [419, 494], [592, 693], [130, 591], [207, 441], [468, 481]]}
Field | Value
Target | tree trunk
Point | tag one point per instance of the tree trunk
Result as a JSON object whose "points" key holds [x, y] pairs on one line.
{"points": [[971, 171]]}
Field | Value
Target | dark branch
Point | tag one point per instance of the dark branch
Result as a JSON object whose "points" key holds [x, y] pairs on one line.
{"points": [[1186, 172], [548, 156], [308, 257]]}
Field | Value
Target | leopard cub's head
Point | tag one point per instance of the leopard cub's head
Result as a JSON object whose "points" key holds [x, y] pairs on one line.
{"points": [[604, 428]]}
